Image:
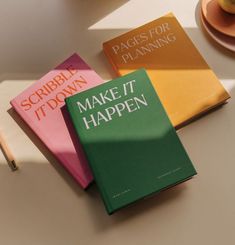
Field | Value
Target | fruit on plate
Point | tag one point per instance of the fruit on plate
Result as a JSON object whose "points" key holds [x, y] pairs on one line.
{"points": [[227, 5]]}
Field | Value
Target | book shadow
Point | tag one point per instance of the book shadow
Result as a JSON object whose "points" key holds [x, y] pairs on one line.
{"points": [[102, 221]]}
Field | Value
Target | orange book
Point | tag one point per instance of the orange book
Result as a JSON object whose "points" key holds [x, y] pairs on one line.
{"points": [[181, 77]]}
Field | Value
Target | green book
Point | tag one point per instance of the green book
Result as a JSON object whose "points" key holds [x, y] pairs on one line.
{"points": [[130, 143]]}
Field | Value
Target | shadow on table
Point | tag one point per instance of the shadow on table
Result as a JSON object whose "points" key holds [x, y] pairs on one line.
{"points": [[25, 55], [102, 221], [30, 51]]}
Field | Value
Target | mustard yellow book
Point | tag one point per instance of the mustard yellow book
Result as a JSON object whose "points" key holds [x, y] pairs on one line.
{"points": [[186, 85]]}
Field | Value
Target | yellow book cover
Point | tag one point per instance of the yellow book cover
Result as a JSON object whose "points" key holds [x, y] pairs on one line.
{"points": [[181, 77]]}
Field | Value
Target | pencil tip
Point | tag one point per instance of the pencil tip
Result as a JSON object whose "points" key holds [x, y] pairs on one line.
{"points": [[12, 165]]}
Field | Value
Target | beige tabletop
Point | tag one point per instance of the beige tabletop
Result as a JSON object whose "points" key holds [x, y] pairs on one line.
{"points": [[41, 204]]}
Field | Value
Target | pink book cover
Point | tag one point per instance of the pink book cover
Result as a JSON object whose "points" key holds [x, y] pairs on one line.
{"points": [[42, 107]]}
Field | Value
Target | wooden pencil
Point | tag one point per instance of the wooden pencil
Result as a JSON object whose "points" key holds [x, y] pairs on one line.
{"points": [[7, 153]]}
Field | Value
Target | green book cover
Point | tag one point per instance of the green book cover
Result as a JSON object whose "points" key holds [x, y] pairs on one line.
{"points": [[130, 143]]}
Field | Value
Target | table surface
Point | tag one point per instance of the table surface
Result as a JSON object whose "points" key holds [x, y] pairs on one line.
{"points": [[41, 204]]}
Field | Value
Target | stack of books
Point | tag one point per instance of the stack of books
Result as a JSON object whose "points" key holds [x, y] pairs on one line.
{"points": [[122, 133]]}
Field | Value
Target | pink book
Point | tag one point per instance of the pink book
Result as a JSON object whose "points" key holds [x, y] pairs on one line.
{"points": [[42, 107]]}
